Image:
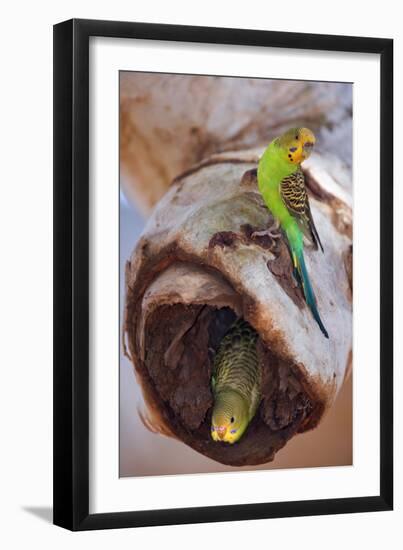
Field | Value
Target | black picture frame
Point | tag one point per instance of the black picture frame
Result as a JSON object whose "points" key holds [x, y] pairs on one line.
{"points": [[71, 274]]}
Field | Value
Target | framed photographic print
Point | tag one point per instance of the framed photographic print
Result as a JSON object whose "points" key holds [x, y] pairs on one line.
{"points": [[223, 303]]}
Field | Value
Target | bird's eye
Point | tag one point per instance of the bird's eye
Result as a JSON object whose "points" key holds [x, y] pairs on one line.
{"points": [[232, 419]]}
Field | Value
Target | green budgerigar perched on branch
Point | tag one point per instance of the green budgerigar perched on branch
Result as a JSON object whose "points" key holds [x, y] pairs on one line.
{"points": [[282, 185], [236, 383]]}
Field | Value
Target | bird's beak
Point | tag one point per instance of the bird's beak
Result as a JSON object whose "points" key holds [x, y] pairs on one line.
{"points": [[307, 148], [221, 431], [307, 141]]}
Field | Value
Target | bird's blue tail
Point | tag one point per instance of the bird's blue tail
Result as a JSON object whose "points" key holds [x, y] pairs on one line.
{"points": [[303, 278]]}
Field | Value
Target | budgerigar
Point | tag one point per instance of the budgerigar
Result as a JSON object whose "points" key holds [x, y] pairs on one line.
{"points": [[236, 383], [282, 185]]}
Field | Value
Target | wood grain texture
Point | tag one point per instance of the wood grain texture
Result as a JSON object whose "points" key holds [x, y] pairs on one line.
{"points": [[168, 123], [196, 257]]}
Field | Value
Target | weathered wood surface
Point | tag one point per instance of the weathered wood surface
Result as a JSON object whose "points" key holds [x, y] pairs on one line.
{"points": [[197, 263], [168, 123]]}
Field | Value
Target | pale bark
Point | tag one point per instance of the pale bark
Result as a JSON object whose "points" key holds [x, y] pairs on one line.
{"points": [[197, 265], [170, 122]]}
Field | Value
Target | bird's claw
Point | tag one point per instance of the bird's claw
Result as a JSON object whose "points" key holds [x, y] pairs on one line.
{"points": [[273, 234]]}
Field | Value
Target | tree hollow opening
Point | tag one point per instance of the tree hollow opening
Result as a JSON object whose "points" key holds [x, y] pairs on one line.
{"points": [[180, 344]]}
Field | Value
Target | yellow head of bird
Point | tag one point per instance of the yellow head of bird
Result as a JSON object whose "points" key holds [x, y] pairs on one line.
{"points": [[297, 144], [230, 418]]}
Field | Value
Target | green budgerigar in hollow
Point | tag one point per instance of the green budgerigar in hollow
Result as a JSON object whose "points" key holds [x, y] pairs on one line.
{"points": [[282, 185], [236, 383]]}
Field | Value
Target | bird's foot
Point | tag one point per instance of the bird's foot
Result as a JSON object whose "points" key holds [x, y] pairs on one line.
{"points": [[272, 232], [267, 232]]}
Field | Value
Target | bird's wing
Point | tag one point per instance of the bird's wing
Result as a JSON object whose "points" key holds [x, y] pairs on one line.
{"points": [[295, 197], [213, 382], [256, 397]]}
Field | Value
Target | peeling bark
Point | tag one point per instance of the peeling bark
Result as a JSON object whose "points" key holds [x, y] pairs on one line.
{"points": [[197, 267], [169, 123]]}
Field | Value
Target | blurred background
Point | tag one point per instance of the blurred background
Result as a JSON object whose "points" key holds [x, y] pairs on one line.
{"points": [[168, 123]]}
